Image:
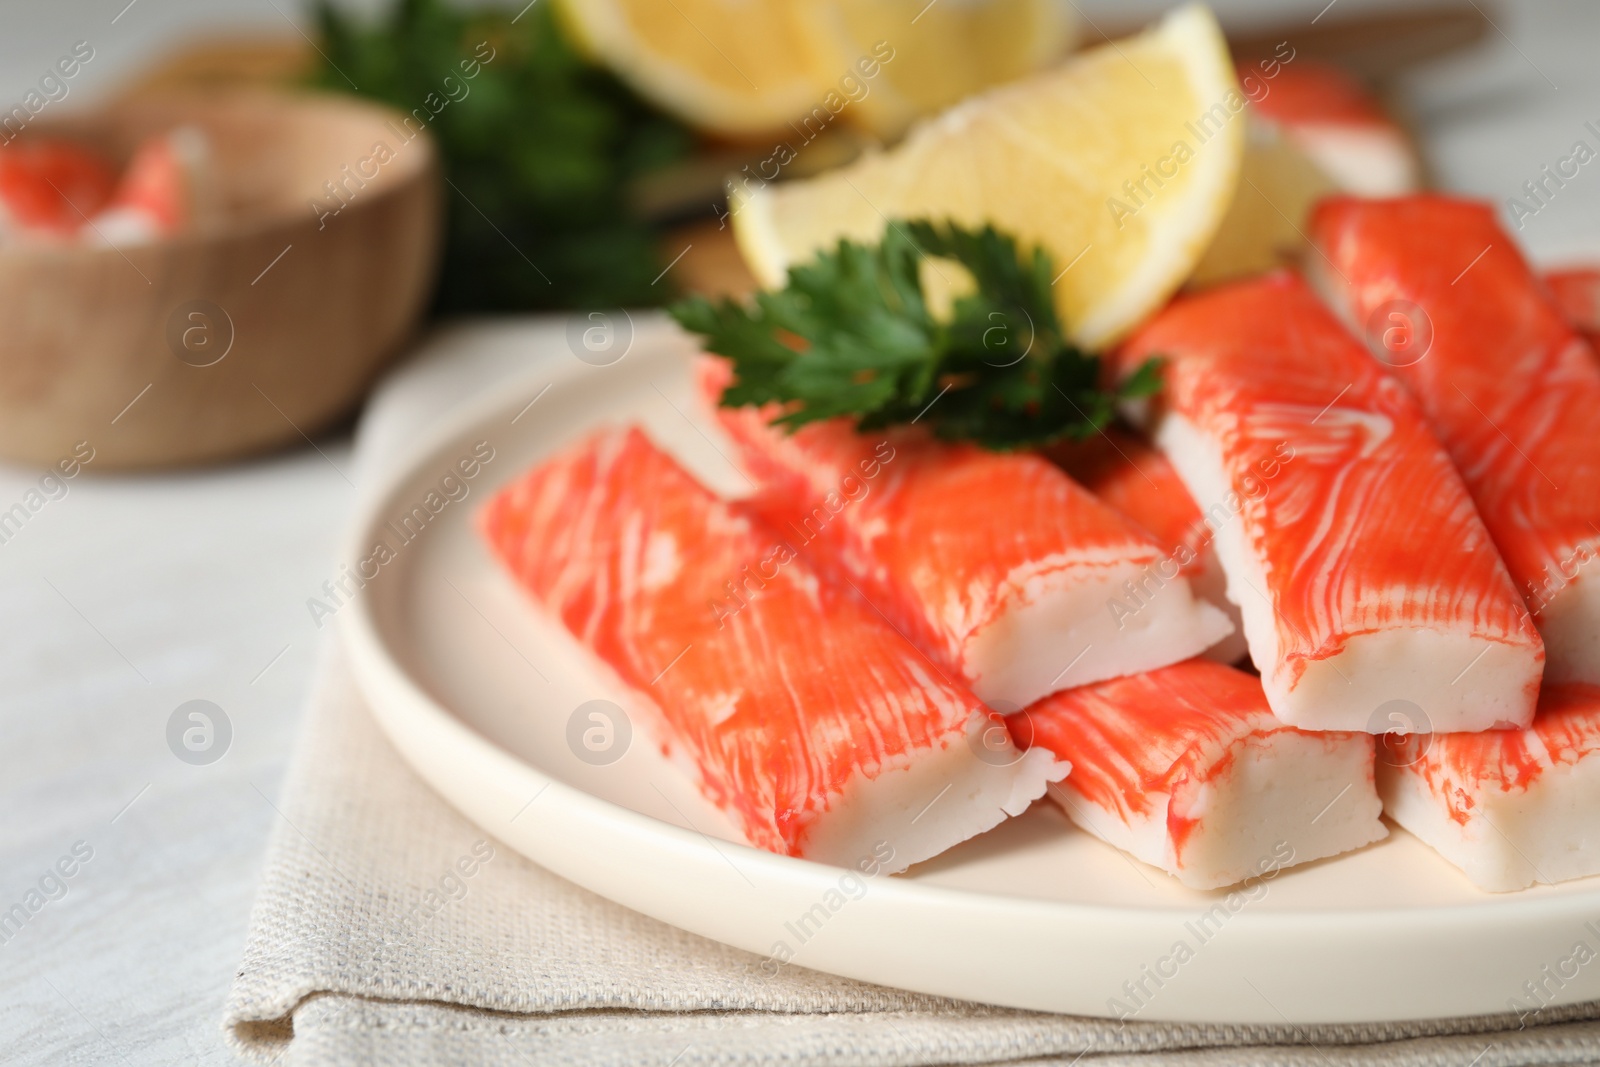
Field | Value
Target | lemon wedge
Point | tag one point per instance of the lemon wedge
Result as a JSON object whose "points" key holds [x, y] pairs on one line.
{"points": [[1120, 162], [933, 54], [1278, 184], [730, 66]]}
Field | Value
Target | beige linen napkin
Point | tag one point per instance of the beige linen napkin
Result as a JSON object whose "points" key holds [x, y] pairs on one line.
{"points": [[389, 929]]}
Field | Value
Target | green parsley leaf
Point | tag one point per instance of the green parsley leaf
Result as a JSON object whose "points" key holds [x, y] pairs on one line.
{"points": [[542, 149], [852, 335]]}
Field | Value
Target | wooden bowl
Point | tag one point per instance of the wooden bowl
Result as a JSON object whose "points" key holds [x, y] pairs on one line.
{"points": [[252, 332]]}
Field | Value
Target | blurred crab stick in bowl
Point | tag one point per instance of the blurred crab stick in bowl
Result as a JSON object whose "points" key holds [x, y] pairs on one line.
{"points": [[53, 189], [1126, 472], [1360, 566], [1508, 807], [816, 727], [998, 565], [1187, 769], [1509, 386], [165, 189], [48, 188]]}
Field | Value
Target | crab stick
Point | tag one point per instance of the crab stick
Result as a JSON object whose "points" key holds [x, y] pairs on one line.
{"points": [[1012, 576], [1312, 130], [1508, 807], [1576, 291], [1360, 566], [811, 722], [1187, 769], [1124, 471], [48, 188], [1510, 388], [163, 190], [1338, 124]]}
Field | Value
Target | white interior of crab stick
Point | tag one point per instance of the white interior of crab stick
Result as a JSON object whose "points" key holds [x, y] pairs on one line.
{"points": [[1509, 807], [1547, 833], [918, 804], [1343, 691], [1368, 160], [931, 801], [1065, 629], [1271, 802]]}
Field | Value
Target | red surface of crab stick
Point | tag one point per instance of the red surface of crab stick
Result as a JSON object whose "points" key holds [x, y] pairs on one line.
{"points": [[1362, 570], [1187, 769], [1508, 385], [819, 729], [47, 189], [1576, 291], [998, 565], [1509, 807], [1126, 472]]}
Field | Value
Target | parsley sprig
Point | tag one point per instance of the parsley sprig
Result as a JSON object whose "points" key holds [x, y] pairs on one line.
{"points": [[852, 335], [544, 150]]}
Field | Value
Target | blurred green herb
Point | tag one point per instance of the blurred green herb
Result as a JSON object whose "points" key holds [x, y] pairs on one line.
{"points": [[851, 334], [540, 148]]}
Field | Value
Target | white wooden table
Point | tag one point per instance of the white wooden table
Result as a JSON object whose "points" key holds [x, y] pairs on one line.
{"points": [[122, 600], [132, 595]]}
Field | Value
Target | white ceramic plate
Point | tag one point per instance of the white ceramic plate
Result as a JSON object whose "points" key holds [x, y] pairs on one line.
{"points": [[480, 694]]}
